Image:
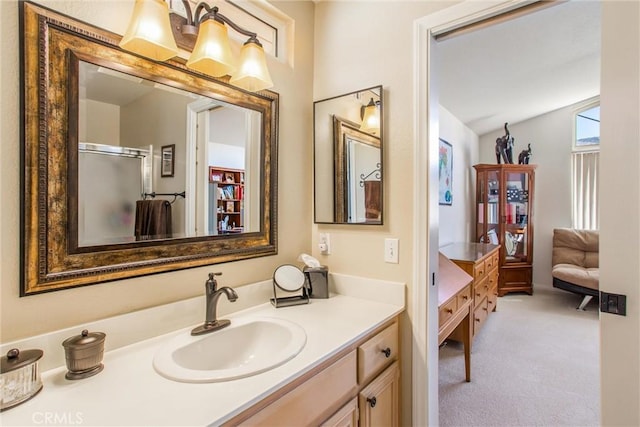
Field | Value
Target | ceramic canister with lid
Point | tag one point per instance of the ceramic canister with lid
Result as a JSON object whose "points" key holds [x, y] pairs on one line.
{"points": [[19, 377]]}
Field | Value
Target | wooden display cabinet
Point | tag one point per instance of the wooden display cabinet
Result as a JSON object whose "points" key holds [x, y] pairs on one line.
{"points": [[229, 186], [504, 216]]}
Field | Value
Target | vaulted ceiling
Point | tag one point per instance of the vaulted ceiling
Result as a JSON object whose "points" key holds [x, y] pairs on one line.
{"points": [[519, 69]]}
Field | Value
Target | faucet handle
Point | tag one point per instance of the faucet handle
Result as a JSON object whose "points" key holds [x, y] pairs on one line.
{"points": [[211, 284]]}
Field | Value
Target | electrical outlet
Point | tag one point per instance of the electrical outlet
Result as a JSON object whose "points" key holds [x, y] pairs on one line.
{"points": [[391, 250], [324, 243]]}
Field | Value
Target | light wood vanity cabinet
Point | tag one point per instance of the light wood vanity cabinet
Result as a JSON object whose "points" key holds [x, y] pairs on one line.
{"points": [[358, 386]]}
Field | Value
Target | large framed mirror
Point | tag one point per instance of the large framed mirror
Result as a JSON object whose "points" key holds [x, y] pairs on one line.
{"points": [[134, 167], [348, 152]]}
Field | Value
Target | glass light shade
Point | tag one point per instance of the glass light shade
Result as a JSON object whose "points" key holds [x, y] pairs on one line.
{"points": [[371, 119], [149, 32], [253, 74], [211, 54]]}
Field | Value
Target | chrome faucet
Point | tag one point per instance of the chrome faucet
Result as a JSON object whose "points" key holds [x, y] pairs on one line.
{"points": [[211, 322]]}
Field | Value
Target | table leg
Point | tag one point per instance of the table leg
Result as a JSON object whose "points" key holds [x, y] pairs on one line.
{"points": [[466, 340]]}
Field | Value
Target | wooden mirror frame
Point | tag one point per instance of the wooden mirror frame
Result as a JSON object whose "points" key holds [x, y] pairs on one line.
{"points": [[51, 47], [332, 121], [341, 129]]}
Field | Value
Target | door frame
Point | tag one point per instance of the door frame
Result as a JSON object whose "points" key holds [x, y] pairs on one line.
{"points": [[426, 220], [193, 109]]}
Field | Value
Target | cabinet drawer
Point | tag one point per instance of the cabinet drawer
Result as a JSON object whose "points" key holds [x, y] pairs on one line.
{"points": [[373, 356], [480, 290], [463, 297], [479, 271], [447, 311], [492, 298], [480, 314], [314, 400], [492, 279], [489, 263]]}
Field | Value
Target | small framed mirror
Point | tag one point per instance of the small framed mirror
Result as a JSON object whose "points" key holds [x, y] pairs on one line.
{"points": [[348, 152]]}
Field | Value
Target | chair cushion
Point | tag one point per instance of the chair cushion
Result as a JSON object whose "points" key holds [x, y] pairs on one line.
{"points": [[578, 247], [586, 277]]}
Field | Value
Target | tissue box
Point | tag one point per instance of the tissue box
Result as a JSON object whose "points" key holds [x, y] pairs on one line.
{"points": [[318, 281]]}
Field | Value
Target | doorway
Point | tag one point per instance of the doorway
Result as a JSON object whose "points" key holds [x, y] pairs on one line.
{"points": [[426, 222]]}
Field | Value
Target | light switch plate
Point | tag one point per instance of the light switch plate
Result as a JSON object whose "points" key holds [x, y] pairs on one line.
{"points": [[391, 250], [613, 303]]}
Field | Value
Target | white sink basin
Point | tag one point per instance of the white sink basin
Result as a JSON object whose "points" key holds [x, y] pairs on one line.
{"points": [[247, 347]]}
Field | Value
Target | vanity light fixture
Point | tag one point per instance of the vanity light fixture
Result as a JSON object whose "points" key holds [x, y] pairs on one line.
{"points": [[153, 33], [371, 118], [149, 31]]}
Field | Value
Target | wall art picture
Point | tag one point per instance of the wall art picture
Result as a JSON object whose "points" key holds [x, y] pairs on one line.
{"points": [[445, 166], [167, 160]]}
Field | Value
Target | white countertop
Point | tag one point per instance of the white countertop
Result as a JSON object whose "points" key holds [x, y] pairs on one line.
{"points": [[130, 392]]}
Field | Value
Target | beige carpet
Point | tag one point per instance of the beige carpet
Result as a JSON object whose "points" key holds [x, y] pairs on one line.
{"points": [[535, 362]]}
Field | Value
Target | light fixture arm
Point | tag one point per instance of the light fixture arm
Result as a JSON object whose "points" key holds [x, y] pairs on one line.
{"points": [[194, 20]]}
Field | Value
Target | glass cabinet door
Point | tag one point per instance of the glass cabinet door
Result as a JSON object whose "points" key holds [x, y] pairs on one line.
{"points": [[515, 216], [488, 214], [481, 206]]}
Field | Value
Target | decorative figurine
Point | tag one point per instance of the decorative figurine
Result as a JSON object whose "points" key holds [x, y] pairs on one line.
{"points": [[524, 156], [504, 147]]}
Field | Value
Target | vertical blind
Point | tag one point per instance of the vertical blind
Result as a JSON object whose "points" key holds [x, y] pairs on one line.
{"points": [[585, 190]]}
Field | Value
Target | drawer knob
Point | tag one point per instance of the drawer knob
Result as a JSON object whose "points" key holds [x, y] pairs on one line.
{"points": [[464, 297], [387, 353], [372, 401], [448, 310]]}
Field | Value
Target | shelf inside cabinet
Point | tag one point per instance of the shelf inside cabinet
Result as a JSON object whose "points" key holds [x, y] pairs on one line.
{"points": [[229, 187]]}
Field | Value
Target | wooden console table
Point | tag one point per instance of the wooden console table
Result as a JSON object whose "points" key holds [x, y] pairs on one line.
{"points": [[455, 307]]}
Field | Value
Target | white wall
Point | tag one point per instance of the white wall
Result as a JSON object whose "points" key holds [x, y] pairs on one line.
{"points": [[457, 221], [227, 137], [228, 125], [226, 156], [98, 122], [550, 136]]}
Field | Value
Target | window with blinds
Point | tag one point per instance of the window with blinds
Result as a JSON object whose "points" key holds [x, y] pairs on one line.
{"points": [[584, 166]]}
